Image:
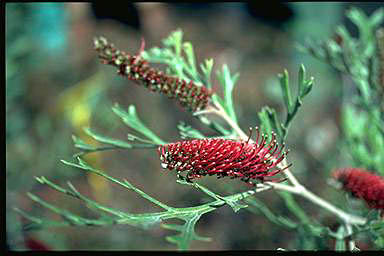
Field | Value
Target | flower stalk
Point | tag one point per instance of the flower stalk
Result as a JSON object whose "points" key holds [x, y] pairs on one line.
{"points": [[296, 187]]}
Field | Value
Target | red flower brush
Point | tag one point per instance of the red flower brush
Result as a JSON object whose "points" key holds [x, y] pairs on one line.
{"points": [[222, 157], [362, 184], [188, 94]]}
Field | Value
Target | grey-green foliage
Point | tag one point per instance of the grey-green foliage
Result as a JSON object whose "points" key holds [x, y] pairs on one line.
{"points": [[362, 113], [308, 231], [268, 116], [186, 131], [180, 60], [364, 141], [110, 216], [185, 68], [131, 119]]}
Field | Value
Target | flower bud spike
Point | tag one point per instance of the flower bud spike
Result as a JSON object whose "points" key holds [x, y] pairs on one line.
{"points": [[192, 97]]}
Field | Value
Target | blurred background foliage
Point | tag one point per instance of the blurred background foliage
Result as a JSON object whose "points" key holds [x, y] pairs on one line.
{"points": [[55, 86]]}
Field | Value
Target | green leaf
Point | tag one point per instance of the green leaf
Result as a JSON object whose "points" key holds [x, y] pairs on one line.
{"points": [[186, 131], [138, 220], [37, 223], [353, 121], [234, 204], [85, 166], [266, 126], [284, 83], [228, 83], [357, 16], [191, 62], [218, 100], [305, 85], [294, 207], [377, 17], [79, 143], [158, 55], [232, 201], [270, 122], [68, 216], [304, 88], [174, 40], [76, 194], [115, 144], [187, 232], [132, 120], [145, 220], [260, 207], [188, 49], [177, 65], [107, 140], [206, 67]]}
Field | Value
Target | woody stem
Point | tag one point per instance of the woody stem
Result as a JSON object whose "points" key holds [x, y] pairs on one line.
{"points": [[296, 187]]}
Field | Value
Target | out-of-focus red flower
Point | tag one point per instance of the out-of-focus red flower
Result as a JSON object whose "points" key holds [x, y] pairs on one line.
{"points": [[362, 184], [223, 157], [189, 95], [35, 244]]}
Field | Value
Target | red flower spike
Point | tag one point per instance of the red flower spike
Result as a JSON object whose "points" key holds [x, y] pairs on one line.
{"points": [[362, 184], [191, 96], [223, 157]]}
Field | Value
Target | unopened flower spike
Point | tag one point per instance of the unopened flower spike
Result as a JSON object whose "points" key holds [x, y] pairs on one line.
{"points": [[191, 96], [362, 184], [223, 157]]}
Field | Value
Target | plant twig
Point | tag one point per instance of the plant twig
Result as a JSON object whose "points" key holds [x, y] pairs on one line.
{"points": [[296, 187], [349, 232]]}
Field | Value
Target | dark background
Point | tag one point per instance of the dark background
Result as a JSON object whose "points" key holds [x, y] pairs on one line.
{"points": [[55, 85]]}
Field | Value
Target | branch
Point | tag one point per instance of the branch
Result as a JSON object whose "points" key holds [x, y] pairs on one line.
{"points": [[296, 187]]}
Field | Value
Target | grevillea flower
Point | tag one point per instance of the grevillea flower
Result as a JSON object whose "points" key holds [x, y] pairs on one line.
{"points": [[362, 184], [223, 157], [188, 94]]}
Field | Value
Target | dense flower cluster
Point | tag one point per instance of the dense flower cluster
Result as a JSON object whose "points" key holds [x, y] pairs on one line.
{"points": [[222, 157], [362, 184], [188, 94]]}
